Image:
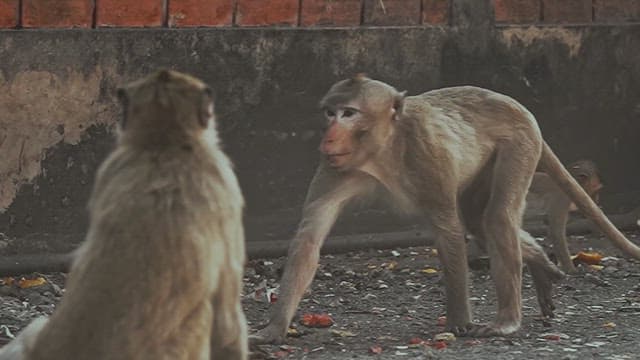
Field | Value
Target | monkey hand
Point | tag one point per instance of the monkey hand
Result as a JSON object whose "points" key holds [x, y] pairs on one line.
{"points": [[271, 334]]}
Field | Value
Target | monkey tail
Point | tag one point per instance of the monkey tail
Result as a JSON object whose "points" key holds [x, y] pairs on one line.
{"points": [[559, 174]]}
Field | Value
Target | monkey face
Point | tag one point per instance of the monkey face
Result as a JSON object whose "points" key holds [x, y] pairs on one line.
{"points": [[346, 125], [360, 114]]}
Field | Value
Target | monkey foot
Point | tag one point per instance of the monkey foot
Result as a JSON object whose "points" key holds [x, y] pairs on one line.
{"points": [[484, 330], [491, 329], [460, 330], [544, 278], [268, 335]]}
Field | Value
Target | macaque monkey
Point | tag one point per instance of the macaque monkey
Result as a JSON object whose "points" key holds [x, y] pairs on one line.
{"points": [[557, 205], [159, 275], [546, 197], [460, 157]]}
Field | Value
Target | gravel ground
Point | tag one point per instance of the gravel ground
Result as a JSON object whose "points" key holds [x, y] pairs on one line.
{"points": [[389, 305]]}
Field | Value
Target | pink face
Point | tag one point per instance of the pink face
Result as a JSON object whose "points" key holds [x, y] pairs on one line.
{"points": [[337, 144]]}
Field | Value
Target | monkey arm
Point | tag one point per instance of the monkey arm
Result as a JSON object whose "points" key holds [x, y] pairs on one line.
{"points": [[329, 192]]}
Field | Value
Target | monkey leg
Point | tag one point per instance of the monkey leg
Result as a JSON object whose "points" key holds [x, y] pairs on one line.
{"points": [[229, 334], [557, 220], [512, 172], [543, 272], [453, 255]]}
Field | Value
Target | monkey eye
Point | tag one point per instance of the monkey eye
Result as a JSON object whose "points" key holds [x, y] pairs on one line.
{"points": [[329, 113], [349, 112]]}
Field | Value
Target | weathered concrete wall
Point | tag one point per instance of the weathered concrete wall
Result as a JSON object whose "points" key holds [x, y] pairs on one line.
{"points": [[57, 102]]}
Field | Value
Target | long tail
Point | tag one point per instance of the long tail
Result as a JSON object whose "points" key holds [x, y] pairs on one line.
{"points": [[559, 174]]}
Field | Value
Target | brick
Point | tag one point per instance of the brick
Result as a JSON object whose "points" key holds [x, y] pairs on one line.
{"points": [[267, 12], [330, 12], [435, 12], [127, 13], [517, 11], [392, 12], [8, 13], [616, 10], [184, 13], [567, 11], [57, 14]]}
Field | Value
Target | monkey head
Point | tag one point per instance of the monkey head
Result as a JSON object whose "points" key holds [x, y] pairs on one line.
{"points": [[165, 107], [360, 115], [587, 175]]}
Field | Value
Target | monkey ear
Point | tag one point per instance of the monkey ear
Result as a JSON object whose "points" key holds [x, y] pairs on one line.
{"points": [[206, 107], [123, 97], [398, 105]]}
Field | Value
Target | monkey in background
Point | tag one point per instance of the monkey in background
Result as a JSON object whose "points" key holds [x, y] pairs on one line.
{"points": [[159, 275], [557, 205], [547, 198], [462, 158]]}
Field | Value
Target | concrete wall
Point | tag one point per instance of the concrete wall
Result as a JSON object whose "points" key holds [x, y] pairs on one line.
{"points": [[57, 105]]}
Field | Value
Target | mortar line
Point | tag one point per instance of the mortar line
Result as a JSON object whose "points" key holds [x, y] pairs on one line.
{"points": [[94, 15], [19, 22], [165, 13]]}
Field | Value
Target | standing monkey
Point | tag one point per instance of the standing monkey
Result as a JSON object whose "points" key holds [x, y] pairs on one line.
{"points": [[159, 275], [461, 157], [557, 205]]}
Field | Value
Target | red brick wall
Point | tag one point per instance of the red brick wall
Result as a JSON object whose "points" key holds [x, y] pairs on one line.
{"points": [[566, 11], [302, 13]]}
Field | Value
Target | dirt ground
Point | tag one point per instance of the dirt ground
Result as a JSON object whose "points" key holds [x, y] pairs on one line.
{"points": [[389, 305]]}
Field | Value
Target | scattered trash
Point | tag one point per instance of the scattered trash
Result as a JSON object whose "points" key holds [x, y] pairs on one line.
{"points": [[375, 349], [293, 332], [609, 325], [342, 333], [429, 271], [28, 283], [316, 320], [595, 344], [439, 345], [262, 293], [390, 265], [445, 336], [554, 336], [5, 330], [589, 258]]}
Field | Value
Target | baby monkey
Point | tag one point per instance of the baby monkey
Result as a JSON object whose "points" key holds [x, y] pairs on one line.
{"points": [[557, 205], [159, 275]]}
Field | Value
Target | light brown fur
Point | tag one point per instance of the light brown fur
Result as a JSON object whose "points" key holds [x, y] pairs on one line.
{"points": [[557, 205], [461, 157], [159, 275], [546, 197]]}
